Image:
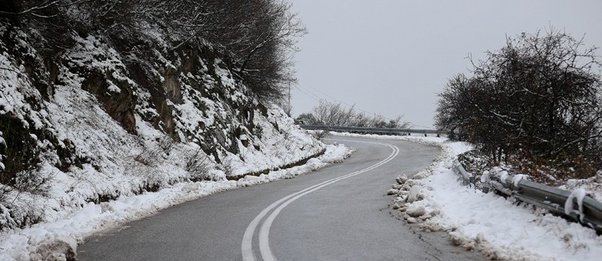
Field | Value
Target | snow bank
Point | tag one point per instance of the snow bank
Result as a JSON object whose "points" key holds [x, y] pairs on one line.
{"points": [[489, 223], [499, 228], [24, 244], [102, 135]]}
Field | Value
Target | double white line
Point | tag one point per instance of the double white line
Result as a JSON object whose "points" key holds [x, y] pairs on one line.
{"points": [[264, 231]]}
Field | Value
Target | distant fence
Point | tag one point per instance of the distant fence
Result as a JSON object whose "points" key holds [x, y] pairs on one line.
{"points": [[364, 130], [584, 210]]}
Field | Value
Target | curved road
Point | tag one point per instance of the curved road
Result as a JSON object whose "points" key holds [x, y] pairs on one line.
{"points": [[336, 213]]}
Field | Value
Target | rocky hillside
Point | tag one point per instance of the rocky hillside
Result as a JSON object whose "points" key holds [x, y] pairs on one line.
{"points": [[101, 119]]}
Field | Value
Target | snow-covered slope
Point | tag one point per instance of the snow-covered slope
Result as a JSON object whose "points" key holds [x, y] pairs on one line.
{"points": [[96, 122]]}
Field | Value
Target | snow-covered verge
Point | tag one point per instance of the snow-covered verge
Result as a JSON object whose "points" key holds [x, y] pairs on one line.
{"points": [[66, 232], [93, 125], [500, 228], [436, 200]]}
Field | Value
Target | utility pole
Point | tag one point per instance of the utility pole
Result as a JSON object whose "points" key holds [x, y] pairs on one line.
{"points": [[289, 108]]}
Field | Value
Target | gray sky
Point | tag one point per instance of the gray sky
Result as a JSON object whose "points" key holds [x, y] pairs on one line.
{"points": [[394, 57]]}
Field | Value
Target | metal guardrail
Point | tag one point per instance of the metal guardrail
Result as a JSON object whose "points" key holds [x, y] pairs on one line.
{"points": [[364, 130], [543, 196]]}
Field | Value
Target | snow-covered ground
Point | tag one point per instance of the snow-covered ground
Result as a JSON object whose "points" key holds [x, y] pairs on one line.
{"points": [[25, 244], [498, 227], [92, 165]]}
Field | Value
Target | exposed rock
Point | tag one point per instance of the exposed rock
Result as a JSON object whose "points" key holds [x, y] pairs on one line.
{"points": [[420, 175], [97, 109], [392, 192], [406, 187], [399, 200], [401, 179], [116, 96], [54, 251], [419, 197]]}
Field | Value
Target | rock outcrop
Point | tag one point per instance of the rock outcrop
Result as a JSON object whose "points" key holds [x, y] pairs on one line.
{"points": [[99, 119]]}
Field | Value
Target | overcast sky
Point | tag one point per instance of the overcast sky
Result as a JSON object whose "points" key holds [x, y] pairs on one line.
{"points": [[393, 57]]}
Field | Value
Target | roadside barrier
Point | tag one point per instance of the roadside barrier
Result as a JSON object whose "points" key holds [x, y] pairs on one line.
{"points": [[575, 206], [364, 130]]}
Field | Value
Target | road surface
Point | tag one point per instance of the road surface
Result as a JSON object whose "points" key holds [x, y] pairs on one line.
{"points": [[336, 213]]}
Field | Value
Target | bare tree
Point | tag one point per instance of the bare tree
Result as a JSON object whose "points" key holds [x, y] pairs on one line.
{"points": [[335, 114], [259, 36], [538, 98]]}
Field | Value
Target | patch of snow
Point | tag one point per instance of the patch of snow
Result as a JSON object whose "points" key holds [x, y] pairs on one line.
{"points": [[502, 175], [517, 178], [498, 227], [113, 88], [578, 196], [592, 185], [486, 177]]}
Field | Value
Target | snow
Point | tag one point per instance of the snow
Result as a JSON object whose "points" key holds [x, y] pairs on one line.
{"points": [[498, 227], [592, 185], [2, 167], [517, 178], [118, 168], [569, 207], [91, 218], [491, 224], [503, 176], [113, 88]]}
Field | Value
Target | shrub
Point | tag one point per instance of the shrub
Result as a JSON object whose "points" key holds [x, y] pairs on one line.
{"points": [[537, 99]]}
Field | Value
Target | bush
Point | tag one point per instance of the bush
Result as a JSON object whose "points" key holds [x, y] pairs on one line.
{"points": [[537, 99], [197, 166]]}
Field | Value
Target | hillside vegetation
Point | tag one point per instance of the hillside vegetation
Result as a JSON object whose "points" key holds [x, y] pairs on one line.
{"points": [[102, 99]]}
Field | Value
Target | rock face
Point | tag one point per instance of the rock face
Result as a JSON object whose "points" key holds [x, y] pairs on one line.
{"points": [[99, 119]]}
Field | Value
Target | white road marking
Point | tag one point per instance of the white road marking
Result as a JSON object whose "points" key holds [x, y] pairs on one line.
{"points": [[264, 242]]}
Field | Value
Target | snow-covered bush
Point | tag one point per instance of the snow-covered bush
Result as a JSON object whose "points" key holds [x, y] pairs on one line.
{"points": [[198, 166], [534, 104]]}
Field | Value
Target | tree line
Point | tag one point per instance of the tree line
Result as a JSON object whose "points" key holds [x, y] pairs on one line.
{"points": [[258, 35], [533, 103], [335, 114]]}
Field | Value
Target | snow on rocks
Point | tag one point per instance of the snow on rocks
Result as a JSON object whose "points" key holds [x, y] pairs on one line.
{"points": [[401, 179], [91, 162], [415, 211], [407, 192]]}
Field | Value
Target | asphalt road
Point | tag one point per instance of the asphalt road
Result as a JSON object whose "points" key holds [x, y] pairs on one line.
{"points": [[337, 213]]}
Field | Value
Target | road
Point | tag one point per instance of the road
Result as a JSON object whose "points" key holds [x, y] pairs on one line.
{"points": [[336, 213]]}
